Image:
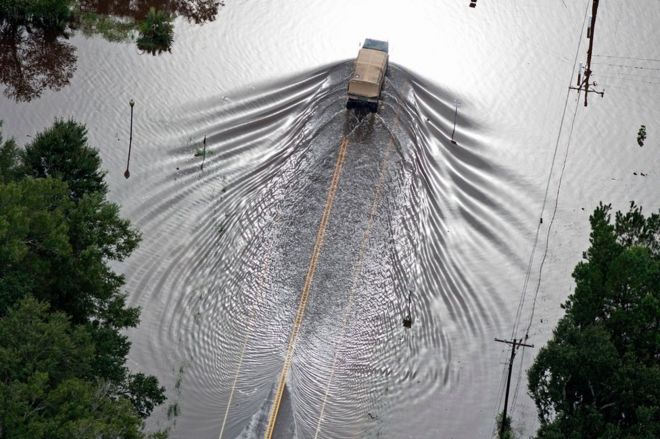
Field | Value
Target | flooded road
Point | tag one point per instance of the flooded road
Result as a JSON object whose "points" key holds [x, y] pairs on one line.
{"points": [[448, 233]]}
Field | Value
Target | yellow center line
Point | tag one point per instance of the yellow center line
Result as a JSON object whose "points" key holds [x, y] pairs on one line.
{"points": [[272, 418], [253, 313], [357, 269]]}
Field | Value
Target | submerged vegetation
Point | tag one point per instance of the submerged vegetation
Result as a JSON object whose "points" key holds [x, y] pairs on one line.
{"points": [[599, 375], [156, 32], [52, 15], [34, 53], [641, 135], [114, 29], [62, 312]]}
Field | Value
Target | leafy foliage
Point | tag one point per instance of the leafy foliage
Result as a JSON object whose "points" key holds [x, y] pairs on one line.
{"points": [[111, 28], [33, 238], [156, 32], [599, 375], [36, 57], [58, 234], [47, 386], [507, 432], [9, 153], [641, 135], [62, 152]]}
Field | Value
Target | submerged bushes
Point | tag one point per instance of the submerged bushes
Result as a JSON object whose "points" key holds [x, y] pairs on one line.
{"points": [[45, 14], [156, 32]]}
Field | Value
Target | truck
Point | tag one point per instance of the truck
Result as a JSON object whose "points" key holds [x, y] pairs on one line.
{"points": [[368, 76]]}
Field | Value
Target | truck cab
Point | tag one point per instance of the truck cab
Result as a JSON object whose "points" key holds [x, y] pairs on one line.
{"points": [[368, 76]]}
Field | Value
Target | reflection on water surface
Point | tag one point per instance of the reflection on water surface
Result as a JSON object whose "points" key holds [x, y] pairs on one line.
{"points": [[36, 59], [33, 61]]}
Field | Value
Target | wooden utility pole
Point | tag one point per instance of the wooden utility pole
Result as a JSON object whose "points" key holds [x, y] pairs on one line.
{"points": [[514, 344], [585, 84]]}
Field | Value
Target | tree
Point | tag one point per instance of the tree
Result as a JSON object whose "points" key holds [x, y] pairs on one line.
{"points": [[62, 152], [33, 238], [507, 432], [9, 156], [156, 32], [599, 375], [57, 235], [47, 385]]}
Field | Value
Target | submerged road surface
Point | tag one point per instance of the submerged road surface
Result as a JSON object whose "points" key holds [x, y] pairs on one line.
{"points": [[308, 237], [368, 155]]}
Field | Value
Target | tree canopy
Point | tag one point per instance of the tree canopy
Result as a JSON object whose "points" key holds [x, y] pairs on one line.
{"points": [[599, 375], [62, 353], [62, 152], [48, 388]]}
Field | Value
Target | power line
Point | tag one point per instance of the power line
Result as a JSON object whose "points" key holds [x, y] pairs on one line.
{"points": [[552, 220], [523, 292], [628, 57], [627, 66], [545, 253]]}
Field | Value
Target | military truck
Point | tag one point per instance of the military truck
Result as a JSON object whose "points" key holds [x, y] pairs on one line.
{"points": [[368, 77]]}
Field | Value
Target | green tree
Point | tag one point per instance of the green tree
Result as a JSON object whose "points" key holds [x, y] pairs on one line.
{"points": [[599, 375], [156, 32], [33, 238], [507, 433], [9, 156], [58, 234], [62, 152], [47, 385]]}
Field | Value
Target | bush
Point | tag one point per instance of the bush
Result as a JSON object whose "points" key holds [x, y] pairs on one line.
{"points": [[156, 32]]}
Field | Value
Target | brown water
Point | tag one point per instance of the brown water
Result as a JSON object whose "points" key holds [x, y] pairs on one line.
{"points": [[226, 248]]}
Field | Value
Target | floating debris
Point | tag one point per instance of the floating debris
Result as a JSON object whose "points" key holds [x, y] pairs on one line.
{"points": [[641, 135]]}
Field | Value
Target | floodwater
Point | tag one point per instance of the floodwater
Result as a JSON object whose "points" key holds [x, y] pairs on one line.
{"points": [[448, 233]]}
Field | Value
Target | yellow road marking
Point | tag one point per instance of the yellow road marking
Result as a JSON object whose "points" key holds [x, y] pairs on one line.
{"points": [[264, 271], [357, 269], [272, 418]]}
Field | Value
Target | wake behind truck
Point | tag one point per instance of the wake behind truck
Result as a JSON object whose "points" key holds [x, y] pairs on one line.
{"points": [[368, 77]]}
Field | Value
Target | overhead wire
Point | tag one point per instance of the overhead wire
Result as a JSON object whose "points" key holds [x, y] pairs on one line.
{"points": [[628, 57], [528, 271], [627, 66], [545, 253], [530, 263]]}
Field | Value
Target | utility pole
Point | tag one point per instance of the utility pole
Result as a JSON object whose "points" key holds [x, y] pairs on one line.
{"points": [[514, 343], [585, 84]]}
